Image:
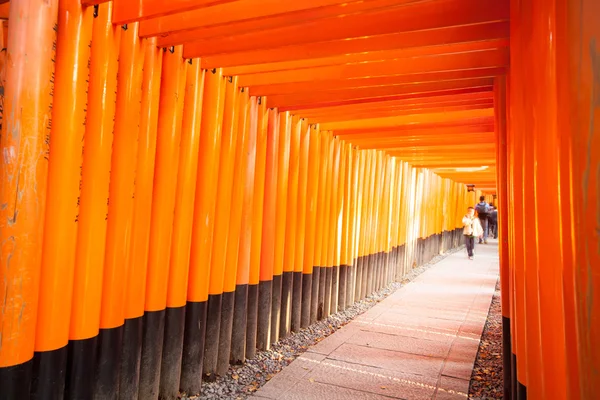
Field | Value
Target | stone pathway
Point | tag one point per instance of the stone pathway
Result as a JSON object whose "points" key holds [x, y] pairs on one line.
{"points": [[419, 343]]}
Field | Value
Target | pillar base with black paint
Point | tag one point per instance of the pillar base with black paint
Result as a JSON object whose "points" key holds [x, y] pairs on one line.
{"points": [[170, 369], [213, 328], [252, 321], [227, 312], [15, 381], [152, 346], [297, 290], [285, 319], [238, 331], [131, 356], [276, 308], [307, 280], [263, 334], [81, 363], [193, 347]]}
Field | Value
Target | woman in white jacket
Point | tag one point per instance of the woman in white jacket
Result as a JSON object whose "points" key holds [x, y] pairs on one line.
{"points": [[472, 229]]}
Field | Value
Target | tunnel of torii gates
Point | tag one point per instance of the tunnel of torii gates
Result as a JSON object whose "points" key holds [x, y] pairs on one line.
{"points": [[186, 182]]}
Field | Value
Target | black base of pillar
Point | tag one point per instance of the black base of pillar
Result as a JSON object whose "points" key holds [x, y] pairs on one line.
{"points": [[343, 286], [275, 308], [170, 369], [211, 343], [193, 347], [314, 295], [152, 346], [131, 356], [263, 334], [81, 364], [252, 321], [108, 363], [49, 373], [297, 301], [238, 331], [227, 311], [307, 280], [285, 320], [506, 357], [335, 290], [15, 381]]}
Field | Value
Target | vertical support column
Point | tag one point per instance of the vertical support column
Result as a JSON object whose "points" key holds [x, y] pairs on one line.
{"points": [[299, 282], [235, 225], [311, 207], [26, 118], [240, 313], [172, 93], [179, 259], [267, 253], [579, 78], [341, 229], [320, 252], [137, 263], [346, 239], [283, 164], [332, 259], [221, 230], [120, 212], [63, 197], [321, 263], [257, 227], [291, 230], [502, 181], [202, 233], [91, 233]]}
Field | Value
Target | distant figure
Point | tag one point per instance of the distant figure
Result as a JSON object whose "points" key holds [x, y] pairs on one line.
{"points": [[493, 221], [483, 211], [472, 229]]}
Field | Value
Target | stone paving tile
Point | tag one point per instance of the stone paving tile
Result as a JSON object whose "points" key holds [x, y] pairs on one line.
{"points": [[419, 343], [404, 344], [393, 360], [375, 380], [306, 390]]}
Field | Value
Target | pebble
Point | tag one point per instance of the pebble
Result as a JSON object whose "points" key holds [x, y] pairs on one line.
{"points": [[243, 380], [487, 379]]}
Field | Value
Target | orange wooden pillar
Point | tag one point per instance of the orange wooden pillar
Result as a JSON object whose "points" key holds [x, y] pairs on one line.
{"points": [[172, 93], [291, 229], [137, 263], [28, 88], [267, 253], [221, 230], [240, 314], [339, 257], [235, 226], [179, 258], [202, 232], [332, 192], [321, 245], [312, 187], [120, 211], [257, 228], [281, 219], [502, 181], [91, 233], [63, 197], [578, 75], [346, 239], [299, 283]]}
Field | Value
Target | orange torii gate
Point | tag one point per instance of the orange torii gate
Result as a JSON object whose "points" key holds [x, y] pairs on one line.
{"points": [[185, 182]]}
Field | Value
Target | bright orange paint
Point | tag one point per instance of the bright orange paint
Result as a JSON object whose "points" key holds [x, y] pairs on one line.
{"points": [[95, 176], [172, 94], [282, 218], [28, 88], [64, 175], [187, 175]]}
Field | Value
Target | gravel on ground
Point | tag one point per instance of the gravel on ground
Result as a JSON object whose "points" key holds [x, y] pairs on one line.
{"points": [[243, 380], [487, 377]]}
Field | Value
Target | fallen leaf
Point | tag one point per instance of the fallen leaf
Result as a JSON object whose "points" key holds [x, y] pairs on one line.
{"points": [[311, 380], [383, 387]]}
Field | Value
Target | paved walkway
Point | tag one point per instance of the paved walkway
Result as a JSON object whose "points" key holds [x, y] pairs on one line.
{"points": [[419, 343]]}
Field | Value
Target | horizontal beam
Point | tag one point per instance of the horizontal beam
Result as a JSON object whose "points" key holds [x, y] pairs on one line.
{"points": [[250, 16], [360, 45], [411, 97], [308, 99], [405, 17], [415, 65], [127, 11], [392, 122], [333, 84]]}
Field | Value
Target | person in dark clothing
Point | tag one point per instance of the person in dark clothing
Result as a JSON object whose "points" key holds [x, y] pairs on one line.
{"points": [[483, 211], [472, 229], [493, 222]]}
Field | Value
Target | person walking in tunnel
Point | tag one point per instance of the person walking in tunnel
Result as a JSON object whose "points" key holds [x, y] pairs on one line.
{"points": [[472, 229], [493, 222], [483, 213]]}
